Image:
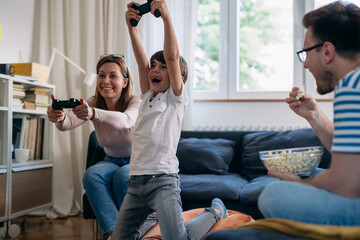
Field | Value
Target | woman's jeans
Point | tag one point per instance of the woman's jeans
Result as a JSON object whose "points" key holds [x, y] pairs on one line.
{"points": [[159, 193], [305, 203], [105, 184]]}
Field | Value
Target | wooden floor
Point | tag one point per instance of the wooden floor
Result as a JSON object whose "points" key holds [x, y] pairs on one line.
{"points": [[41, 228]]}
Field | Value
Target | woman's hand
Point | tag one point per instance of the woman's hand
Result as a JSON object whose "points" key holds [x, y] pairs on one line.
{"points": [[55, 115], [84, 111], [131, 13]]}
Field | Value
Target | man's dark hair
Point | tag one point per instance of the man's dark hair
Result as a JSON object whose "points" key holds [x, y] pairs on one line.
{"points": [[159, 56], [338, 23]]}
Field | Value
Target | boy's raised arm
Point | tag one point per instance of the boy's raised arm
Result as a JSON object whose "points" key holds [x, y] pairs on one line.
{"points": [[171, 49], [139, 52]]}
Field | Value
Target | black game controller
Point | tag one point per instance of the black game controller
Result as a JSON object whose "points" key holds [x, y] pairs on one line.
{"points": [[144, 8], [71, 103]]}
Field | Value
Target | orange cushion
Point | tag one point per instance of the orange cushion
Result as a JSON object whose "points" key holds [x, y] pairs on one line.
{"points": [[233, 220]]}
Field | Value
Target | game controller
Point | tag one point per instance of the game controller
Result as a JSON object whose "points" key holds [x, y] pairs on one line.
{"points": [[144, 8], [71, 103]]}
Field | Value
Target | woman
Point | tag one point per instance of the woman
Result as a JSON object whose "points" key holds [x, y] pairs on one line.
{"points": [[113, 111]]}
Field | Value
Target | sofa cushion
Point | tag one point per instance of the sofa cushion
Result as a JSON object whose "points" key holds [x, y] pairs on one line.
{"points": [[252, 167], [198, 156], [205, 187], [250, 193], [233, 220]]}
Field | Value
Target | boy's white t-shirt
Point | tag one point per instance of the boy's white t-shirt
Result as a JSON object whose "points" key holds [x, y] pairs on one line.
{"points": [[157, 133]]}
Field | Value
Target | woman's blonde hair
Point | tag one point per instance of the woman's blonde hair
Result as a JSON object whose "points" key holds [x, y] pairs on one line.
{"points": [[126, 93]]}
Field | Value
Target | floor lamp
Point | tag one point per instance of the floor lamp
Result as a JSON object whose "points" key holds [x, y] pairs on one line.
{"points": [[90, 77]]}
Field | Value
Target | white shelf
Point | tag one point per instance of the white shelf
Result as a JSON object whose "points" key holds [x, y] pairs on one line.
{"points": [[15, 176], [28, 111]]}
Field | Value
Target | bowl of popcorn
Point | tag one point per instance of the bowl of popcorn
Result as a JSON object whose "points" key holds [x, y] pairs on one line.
{"points": [[301, 161]]}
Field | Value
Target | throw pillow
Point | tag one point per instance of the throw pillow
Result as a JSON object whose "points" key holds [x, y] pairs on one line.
{"points": [[252, 166], [204, 155], [233, 220]]}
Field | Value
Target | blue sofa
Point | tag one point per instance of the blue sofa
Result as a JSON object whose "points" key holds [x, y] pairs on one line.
{"points": [[225, 164]]}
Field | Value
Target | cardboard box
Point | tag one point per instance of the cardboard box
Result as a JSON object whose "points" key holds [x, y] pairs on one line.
{"points": [[32, 69]]}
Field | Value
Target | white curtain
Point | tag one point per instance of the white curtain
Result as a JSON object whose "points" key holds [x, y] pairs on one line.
{"points": [[83, 30]]}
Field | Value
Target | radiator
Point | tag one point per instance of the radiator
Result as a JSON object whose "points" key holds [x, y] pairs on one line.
{"points": [[248, 127]]}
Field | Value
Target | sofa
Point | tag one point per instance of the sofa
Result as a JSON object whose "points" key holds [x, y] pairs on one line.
{"points": [[225, 164]]}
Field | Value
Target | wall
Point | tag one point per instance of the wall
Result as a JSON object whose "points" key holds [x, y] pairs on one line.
{"points": [[249, 115], [16, 20]]}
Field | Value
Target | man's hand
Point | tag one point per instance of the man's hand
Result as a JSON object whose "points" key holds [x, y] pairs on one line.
{"points": [[55, 115], [84, 111], [305, 107], [285, 176]]}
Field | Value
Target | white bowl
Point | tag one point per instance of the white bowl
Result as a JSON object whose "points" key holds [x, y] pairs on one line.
{"points": [[301, 161]]}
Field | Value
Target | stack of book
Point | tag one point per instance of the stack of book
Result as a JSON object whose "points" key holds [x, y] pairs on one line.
{"points": [[33, 137], [18, 94], [37, 99]]}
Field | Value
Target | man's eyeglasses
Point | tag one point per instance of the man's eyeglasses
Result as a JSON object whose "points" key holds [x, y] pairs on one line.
{"points": [[303, 55], [113, 56]]}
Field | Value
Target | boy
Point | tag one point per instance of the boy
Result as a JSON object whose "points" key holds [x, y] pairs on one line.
{"points": [[154, 182]]}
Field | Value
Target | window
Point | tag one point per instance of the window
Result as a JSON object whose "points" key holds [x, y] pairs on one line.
{"points": [[246, 49]]}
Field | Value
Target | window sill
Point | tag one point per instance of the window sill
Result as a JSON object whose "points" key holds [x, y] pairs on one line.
{"points": [[255, 100]]}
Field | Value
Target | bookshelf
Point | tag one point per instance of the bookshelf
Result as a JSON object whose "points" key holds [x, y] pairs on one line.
{"points": [[24, 187]]}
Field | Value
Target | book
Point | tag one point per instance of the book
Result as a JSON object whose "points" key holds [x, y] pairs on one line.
{"points": [[18, 90], [29, 105], [18, 86], [18, 93], [36, 98], [18, 105], [17, 99], [39, 138], [39, 90], [34, 137], [41, 108]]}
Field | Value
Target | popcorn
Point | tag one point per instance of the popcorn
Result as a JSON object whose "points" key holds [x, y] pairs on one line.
{"points": [[300, 94], [301, 161]]}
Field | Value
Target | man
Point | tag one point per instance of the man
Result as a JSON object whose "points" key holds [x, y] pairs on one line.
{"points": [[332, 54]]}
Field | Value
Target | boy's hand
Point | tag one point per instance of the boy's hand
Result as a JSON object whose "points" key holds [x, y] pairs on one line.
{"points": [[83, 111], [161, 6], [131, 13], [55, 115]]}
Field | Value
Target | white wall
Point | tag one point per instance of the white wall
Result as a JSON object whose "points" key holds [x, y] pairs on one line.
{"points": [[250, 114], [16, 20]]}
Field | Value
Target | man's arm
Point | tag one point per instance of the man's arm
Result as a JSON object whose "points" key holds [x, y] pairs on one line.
{"points": [[171, 49], [139, 52], [307, 108]]}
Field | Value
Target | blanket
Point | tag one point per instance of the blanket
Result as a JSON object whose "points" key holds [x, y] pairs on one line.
{"points": [[305, 230]]}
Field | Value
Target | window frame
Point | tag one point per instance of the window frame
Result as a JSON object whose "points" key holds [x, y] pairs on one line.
{"points": [[229, 59]]}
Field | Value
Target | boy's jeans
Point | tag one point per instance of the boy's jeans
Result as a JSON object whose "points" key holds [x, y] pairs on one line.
{"points": [[159, 193], [105, 184]]}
